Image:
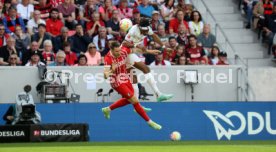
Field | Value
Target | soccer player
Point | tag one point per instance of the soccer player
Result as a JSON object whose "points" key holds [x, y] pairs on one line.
{"points": [[115, 68], [135, 39]]}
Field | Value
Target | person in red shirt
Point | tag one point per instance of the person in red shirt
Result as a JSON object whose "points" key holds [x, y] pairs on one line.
{"points": [[92, 26], [175, 22], [54, 24], [115, 68], [44, 9], [195, 53], [71, 57]]}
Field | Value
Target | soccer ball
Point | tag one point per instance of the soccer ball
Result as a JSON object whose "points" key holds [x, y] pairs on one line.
{"points": [[175, 136], [125, 24]]}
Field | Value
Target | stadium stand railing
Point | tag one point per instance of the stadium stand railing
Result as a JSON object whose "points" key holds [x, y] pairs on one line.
{"points": [[246, 92]]}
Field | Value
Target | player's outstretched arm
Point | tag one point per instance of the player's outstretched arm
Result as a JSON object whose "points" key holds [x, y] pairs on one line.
{"points": [[138, 50]]}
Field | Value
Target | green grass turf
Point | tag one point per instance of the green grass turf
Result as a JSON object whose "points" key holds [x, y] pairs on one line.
{"points": [[166, 146]]}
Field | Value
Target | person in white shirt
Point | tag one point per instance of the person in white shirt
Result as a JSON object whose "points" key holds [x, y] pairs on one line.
{"points": [[135, 39], [32, 24], [23, 99], [25, 10], [159, 61]]}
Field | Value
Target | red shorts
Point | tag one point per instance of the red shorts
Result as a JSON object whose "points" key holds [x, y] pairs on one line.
{"points": [[126, 90]]}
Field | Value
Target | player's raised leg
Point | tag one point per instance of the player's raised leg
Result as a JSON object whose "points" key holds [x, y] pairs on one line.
{"points": [[134, 82], [152, 83]]}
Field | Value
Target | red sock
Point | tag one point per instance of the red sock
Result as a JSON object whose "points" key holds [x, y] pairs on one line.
{"points": [[120, 103], [139, 109]]}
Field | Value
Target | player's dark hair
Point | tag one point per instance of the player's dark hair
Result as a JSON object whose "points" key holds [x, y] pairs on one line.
{"points": [[114, 44], [144, 22]]}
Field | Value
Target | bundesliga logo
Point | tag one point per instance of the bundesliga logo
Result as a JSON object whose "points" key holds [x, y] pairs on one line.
{"points": [[56, 133], [12, 133]]}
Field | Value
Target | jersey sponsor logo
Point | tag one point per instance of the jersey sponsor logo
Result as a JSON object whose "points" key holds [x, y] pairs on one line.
{"points": [[225, 127]]}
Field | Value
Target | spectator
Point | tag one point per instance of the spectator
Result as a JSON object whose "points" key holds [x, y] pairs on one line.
{"points": [[92, 26], [206, 39], [249, 4], [6, 7], [13, 60], [167, 10], [33, 23], [23, 99], [26, 56], [22, 40], [3, 36], [179, 52], [172, 43], [67, 14], [185, 8], [222, 58], [61, 39], [162, 35], [196, 24], [92, 55], [169, 54], [56, 3], [214, 58], [71, 57], [159, 61], [44, 9], [60, 59], [35, 59], [181, 61], [262, 8], [48, 53], [270, 28], [106, 10], [7, 50], [194, 53], [1, 10], [113, 26], [79, 40], [145, 8], [82, 60], [41, 35], [136, 16], [124, 10], [183, 33], [9, 115], [175, 22], [155, 21], [54, 24], [101, 41], [12, 20], [89, 9], [26, 10]]}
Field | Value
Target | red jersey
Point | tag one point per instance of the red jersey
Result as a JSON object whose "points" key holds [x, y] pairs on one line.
{"points": [[54, 26], [120, 76], [195, 54]]}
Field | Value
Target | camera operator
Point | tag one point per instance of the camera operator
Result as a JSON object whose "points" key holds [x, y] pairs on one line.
{"points": [[25, 99]]}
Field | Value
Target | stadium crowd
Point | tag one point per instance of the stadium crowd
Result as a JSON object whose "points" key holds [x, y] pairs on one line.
{"points": [[261, 17], [77, 33]]}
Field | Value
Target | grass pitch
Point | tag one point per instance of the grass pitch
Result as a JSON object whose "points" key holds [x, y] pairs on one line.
{"points": [[166, 146]]}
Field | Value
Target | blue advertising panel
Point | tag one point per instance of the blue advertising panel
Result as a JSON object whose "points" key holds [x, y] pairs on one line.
{"points": [[194, 120]]}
